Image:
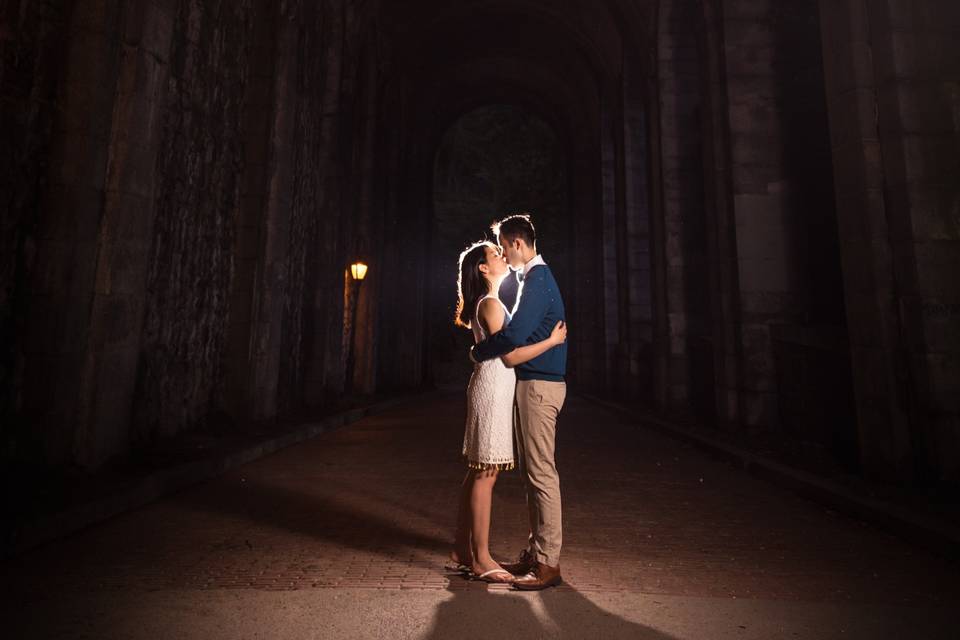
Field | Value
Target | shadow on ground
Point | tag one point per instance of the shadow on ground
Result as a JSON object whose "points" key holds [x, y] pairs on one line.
{"points": [[555, 613]]}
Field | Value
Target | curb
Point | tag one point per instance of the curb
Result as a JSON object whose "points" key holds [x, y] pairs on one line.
{"points": [[32, 534], [915, 527]]}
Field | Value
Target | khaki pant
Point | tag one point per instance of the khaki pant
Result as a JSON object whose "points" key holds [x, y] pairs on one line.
{"points": [[538, 405]]}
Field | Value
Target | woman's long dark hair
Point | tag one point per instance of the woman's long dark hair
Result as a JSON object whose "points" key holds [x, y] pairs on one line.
{"points": [[471, 285]]}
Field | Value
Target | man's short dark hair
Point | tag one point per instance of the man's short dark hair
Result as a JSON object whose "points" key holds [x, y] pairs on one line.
{"points": [[516, 226]]}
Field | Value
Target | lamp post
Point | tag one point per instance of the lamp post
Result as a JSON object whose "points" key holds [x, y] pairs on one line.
{"points": [[358, 271]]}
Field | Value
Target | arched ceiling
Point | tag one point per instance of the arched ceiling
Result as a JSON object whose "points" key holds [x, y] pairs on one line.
{"points": [[555, 58], [597, 30], [536, 88]]}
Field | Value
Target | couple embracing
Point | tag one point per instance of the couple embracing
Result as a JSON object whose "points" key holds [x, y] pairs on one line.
{"points": [[519, 361]]}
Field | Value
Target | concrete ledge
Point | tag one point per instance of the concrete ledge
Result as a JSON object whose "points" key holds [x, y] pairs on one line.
{"points": [[33, 533], [909, 524]]}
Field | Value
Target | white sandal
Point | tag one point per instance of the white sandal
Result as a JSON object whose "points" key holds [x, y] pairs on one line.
{"points": [[485, 576]]}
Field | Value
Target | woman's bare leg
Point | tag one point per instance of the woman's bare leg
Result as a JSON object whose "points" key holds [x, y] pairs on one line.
{"points": [[461, 542], [481, 497]]}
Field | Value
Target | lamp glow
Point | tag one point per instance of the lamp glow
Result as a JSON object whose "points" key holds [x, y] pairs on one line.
{"points": [[358, 270]]}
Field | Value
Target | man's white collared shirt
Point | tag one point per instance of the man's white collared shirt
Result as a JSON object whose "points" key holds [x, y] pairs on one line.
{"points": [[533, 262]]}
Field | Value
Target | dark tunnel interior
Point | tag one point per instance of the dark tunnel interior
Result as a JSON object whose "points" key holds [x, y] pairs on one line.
{"points": [[750, 206], [494, 158], [741, 241]]}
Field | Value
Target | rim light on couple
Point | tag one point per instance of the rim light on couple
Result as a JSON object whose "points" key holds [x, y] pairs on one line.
{"points": [[516, 389]]}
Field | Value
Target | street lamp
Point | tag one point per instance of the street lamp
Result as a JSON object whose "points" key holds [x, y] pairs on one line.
{"points": [[358, 271]]}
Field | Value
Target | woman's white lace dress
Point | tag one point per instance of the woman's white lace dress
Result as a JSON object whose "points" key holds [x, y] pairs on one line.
{"points": [[488, 437]]}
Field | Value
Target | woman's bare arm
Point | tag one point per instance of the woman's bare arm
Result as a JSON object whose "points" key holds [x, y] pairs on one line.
{"points": [[531, 351]]}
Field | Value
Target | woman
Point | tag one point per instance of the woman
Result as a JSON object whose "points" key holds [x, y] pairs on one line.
{"points": [[488, 437]]}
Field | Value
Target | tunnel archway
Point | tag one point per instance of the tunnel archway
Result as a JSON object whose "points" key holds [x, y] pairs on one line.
{"points": [[492, 161], [188, 204], [584, 69]]}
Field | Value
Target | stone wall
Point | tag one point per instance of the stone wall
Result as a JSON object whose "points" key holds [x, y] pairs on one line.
{"points": [[917, 63], [32, 37], [760, 193], [196, 202], [87, 287], [893, 71], [689, 385], [788, 268], [177, 245], [640, 356], [297, 283]]}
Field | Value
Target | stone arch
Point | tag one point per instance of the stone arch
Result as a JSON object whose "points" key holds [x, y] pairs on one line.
{"points": [[577, 69]]}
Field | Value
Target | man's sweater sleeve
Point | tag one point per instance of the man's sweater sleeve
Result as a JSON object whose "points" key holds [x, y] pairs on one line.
{"points": [[529, 315]]}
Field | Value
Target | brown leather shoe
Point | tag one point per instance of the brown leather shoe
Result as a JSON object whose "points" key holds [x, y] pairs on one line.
{"points": [[541, 577], [523, 566]]}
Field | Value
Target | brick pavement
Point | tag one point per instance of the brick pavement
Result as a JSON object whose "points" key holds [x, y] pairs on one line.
{"points": [[370, 507]]}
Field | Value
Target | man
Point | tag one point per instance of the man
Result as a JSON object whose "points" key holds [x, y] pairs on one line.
{"points": [[540, 393]]}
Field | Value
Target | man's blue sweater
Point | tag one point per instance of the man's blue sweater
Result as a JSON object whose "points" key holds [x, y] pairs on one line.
{"points": [[539, 310]]}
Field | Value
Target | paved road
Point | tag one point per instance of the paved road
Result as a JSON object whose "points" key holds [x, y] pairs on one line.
{"points": [[344, 536]]}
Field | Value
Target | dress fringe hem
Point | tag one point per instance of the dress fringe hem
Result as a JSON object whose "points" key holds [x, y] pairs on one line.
{"points": [[485, 466]]}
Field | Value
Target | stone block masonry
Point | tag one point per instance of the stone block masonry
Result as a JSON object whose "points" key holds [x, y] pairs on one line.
{"points": [[755, 191], [168, 208]]}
